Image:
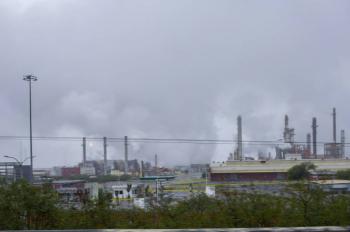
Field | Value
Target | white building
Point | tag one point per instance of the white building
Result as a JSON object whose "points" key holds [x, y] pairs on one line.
{"points": [[93, 189], [121, 191], [293, 156]]}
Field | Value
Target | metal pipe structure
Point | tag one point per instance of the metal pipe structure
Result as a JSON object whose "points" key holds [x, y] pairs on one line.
{"points": [[30, 78]]}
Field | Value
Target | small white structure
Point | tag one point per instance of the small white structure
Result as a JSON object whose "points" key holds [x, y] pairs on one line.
{"points": [[139, 202], [210, 191]]}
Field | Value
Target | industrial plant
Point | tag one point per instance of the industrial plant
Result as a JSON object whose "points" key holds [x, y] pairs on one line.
{"points": [[239, 167]]}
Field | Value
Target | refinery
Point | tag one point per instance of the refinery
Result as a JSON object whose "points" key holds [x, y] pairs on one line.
{"points": [[290, 153]]}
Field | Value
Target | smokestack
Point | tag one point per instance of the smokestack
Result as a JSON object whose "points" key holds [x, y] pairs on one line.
{"points": [[84, 151], [334, 126], [314, 137], [239, 138], [142, 169], [126, 162], [342, 140], [105, 155], [308, 142]]}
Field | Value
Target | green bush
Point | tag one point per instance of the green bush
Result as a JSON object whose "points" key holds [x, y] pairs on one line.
{"points": [[23, 206]]}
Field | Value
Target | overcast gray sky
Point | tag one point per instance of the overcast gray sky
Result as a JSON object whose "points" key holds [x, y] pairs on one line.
{"points": [[170, 69]]}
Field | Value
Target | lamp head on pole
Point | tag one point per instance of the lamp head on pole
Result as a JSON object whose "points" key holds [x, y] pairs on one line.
{"points": [[30, 77], [11, 157]]}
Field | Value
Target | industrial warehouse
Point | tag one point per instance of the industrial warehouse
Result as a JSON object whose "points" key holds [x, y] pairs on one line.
{"points": [[255, 170], [291, 153]]}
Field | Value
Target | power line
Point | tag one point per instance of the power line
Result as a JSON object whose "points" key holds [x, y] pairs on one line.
{"points": [[155, 140]]}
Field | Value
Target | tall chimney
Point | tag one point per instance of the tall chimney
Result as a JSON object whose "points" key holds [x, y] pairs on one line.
{"points": [[314, 137], [342, 140], [156, 163], [239, 138], [126, 162], [84, 151], [142, 172], [334, 126]]}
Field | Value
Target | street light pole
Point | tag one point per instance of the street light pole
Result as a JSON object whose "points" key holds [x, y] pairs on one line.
{"points": [[19, 163], [30, 78], [20, 167]]}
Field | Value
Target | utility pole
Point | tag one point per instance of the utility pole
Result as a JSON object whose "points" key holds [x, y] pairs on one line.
{"points": [[126, 162], [84, 151], [105, 155], [30, 78]]}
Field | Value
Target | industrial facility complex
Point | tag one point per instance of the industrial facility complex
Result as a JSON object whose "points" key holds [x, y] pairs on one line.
{"points": [[131, 180], [290, 153]]}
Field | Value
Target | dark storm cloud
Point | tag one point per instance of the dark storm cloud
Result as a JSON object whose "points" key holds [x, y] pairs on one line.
{"points": [[171, 69]]}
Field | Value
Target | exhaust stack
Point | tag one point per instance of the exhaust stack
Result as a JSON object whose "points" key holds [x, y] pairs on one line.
{"points": [[314, 137]]}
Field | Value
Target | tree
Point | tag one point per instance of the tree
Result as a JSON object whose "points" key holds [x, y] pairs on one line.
{"points": [[24, 206], [300, 171], [307, 204]]}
